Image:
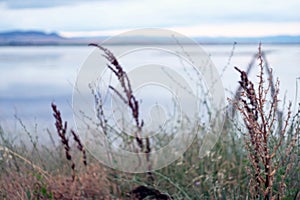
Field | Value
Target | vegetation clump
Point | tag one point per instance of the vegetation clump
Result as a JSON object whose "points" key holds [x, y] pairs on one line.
{"points": [[257, 156]]}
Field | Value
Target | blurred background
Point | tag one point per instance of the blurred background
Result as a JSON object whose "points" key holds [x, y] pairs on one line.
{"points": [[44, 43]]}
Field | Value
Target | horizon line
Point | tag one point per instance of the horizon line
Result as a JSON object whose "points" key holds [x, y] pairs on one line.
{"points": [[95, 34]]}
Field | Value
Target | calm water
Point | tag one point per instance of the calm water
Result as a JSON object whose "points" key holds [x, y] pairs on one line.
{"points": [[33, 77]]}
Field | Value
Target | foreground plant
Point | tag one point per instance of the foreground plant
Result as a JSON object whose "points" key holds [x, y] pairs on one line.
{"points": [[61, 129], [128, 99], [92, 183], [270, 147], [126, 95]]}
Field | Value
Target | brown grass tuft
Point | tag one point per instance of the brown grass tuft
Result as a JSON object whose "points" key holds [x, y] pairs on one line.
{"points": [[91, 184], [264, 144]]}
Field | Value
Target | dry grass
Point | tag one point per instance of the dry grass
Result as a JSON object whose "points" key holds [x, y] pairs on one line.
{"points": [[129, 99], [269, 145], [30, 184], [21, 179]]}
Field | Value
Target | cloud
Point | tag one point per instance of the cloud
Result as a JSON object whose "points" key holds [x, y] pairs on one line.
{"points": [[104, 15], [211, 30], [35, 4]]}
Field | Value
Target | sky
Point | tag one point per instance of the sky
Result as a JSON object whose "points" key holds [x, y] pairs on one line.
{"points": [[72, 18]]}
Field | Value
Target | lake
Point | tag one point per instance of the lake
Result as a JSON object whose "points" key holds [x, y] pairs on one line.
{"points": [[33, 77]]}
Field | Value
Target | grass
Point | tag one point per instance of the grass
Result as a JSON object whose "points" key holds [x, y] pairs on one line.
{"points": [[256, 157]]}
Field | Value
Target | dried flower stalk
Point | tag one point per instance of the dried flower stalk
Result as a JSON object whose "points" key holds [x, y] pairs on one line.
{"points": [[263, 143]]}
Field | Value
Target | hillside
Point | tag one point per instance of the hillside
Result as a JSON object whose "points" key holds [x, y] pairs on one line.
{"points": [[29, 38]]}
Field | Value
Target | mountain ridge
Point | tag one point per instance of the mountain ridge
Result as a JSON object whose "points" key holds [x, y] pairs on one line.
{"points": [[33, 37]]}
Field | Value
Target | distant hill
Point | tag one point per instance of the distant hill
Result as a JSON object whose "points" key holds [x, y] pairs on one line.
{"points": [[29, 38], [28, 34], [19, 38]]}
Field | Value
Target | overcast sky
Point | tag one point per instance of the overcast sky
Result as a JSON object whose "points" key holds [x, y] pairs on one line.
{"points": [[191, 17]]}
